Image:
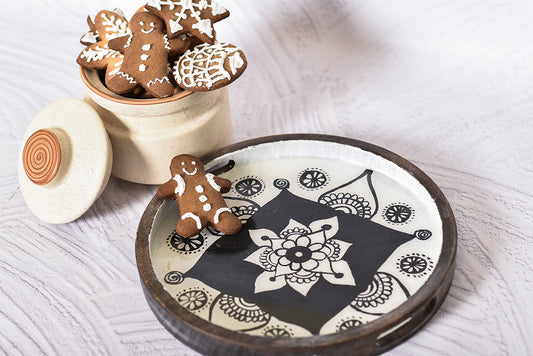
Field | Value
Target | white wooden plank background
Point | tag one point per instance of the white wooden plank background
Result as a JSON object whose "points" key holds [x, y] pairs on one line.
{"points": [[446, 84]]}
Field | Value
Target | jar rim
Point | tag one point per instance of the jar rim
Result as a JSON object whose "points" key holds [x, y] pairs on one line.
{"points": [[123, 100]]}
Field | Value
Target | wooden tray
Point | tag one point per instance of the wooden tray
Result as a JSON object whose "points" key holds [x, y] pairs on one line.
{"points": [[346, 248]]}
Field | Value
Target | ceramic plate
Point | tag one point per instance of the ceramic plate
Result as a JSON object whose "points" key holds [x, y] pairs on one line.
{"points": [[345, 246]]}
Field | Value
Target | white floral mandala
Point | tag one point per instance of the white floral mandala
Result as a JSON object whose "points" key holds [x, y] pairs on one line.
{"points": [[300, 256]]}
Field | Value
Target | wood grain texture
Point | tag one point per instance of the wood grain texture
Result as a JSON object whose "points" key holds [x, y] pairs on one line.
{"points": [[446, 84]]}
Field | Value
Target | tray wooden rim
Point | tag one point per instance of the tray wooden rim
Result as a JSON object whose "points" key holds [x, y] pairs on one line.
{"points": [[211, 339]]}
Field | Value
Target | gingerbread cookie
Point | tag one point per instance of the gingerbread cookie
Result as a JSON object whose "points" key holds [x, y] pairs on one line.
{"points": [[146, 50], [209, 67], [91, 37], [199, 198], [107, 26], [194, 17]]}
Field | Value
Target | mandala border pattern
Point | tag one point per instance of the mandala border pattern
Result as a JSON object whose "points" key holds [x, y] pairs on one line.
{"points": [[349, 324], [241, 310], [174, 278], [377, 293], [398, 214], [348, 203], [198, 297], [249, 186], [191, 245], [319, 181], [415, 265], [278, 332]]}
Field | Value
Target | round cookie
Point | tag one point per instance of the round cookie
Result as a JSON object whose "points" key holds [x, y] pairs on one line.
{"points": [[199, 198], [209, 67]]}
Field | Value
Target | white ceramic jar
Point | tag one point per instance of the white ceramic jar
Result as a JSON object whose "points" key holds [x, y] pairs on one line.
{"points": [[146, 133]]}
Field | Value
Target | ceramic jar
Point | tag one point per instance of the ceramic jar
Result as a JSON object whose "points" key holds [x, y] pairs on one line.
{"points": [[146, 133]]}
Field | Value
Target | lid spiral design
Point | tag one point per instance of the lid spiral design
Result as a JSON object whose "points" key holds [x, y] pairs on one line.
{"points": [[42, 157]]}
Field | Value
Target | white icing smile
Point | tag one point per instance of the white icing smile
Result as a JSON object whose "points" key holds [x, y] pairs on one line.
{"points": [[147, 32], [189, 173]]}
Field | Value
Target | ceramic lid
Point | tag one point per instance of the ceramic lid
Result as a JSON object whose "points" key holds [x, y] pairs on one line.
{"points": [[65, 161]]}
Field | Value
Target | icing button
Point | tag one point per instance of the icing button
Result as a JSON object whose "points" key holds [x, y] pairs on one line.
{"points": [[41, 157]]}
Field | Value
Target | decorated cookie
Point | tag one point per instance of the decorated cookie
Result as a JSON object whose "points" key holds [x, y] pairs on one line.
{"points": [[146, 50], [107, 26], [209, 67], [199, 198], [91, 37], [194, 17]]}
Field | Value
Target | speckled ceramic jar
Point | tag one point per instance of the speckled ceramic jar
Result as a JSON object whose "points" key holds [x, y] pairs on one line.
{"points": [[146, 133]]}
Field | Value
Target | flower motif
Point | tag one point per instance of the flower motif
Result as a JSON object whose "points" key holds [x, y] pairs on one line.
{"points": [[300, 256], [249, 187], [398, 213], [415, 265], [185, 244], [312, 179], [193, 300]]}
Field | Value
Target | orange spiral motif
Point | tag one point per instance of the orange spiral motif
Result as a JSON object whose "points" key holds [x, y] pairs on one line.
{"points": [[42, 157]]}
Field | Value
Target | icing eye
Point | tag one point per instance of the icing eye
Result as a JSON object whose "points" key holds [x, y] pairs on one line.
{"points": [[182, 163], [152, 24], [141, 23], [193, 163]]}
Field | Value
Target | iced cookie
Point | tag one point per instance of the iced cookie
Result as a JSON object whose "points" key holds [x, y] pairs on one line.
{"points": [[209, 67], [193, 17], [91, 37], [107, 26], [146, 50], [199, 198]]}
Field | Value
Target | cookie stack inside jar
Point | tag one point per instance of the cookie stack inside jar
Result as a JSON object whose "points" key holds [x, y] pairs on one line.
{"points": [[158, 81]]}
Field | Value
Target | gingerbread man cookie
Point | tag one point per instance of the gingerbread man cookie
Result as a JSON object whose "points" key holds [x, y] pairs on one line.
{"points": [[105, 26], [199, 198], [193, 17], [146, 52]]}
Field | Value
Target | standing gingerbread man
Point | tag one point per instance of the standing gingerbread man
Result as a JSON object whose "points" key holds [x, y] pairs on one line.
{"points": [[199, 198], [146, 52]]}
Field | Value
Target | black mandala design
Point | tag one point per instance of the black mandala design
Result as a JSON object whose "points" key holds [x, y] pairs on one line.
{"points": [[297, 252], [278, 333], [398, 213], [313, 178], [249, 186], [244, 212], [349, 324], [378, 292], [415, 265], [185, 244], [268, 260], [212, 231], [193, 299], [281, 183], [349, 203], [240, 309], [174, 277], [423, 234]]}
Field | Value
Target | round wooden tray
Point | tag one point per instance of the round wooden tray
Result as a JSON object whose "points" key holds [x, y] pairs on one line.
{"points": [[346, 247]]}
